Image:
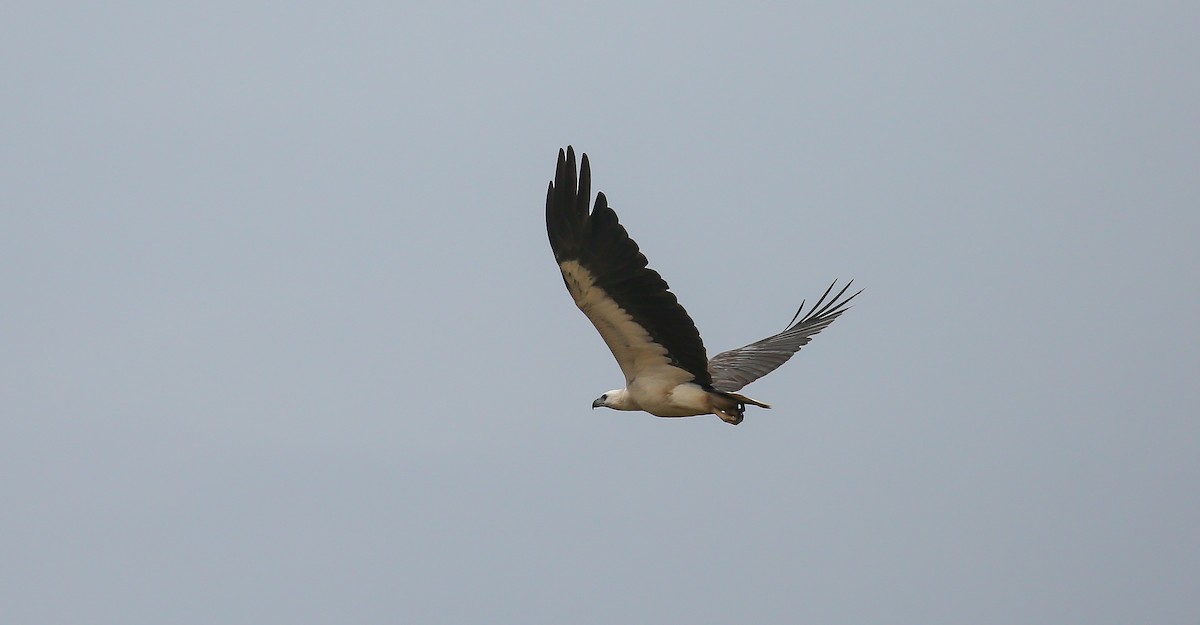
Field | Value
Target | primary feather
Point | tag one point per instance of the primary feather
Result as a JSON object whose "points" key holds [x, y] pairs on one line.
{"points": [[736, 368]]}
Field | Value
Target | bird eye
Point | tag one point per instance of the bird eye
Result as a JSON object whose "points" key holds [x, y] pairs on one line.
{"points": [[604, 396]]}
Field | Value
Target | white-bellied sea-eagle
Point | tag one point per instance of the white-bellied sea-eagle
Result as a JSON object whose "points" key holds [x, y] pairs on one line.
{"points": [[667, 371]]}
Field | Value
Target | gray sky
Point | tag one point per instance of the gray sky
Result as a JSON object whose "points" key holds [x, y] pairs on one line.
{"points": [[284, 341]]}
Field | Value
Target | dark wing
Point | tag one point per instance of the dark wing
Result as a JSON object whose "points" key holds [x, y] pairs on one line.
{"points": [[630, 304], [736, 368]]}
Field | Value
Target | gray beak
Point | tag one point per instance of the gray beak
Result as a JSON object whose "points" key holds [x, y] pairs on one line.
{"points": [[598, 403]]}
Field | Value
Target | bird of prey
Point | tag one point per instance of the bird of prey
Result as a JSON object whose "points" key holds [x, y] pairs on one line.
{"points": [[667, 371]]}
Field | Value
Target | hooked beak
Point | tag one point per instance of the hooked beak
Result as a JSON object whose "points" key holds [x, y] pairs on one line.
{"points": [[598, 403]]}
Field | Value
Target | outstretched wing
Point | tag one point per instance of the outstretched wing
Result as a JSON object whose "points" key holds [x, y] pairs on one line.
{"points": [[629, 303], [736, 368]]}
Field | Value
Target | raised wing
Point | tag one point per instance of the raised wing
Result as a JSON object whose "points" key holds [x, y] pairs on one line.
{"points": [[629, 303], [736, 368]]}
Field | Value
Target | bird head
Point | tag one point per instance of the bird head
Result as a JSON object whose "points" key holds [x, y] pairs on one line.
{"points": [[617, 399]]}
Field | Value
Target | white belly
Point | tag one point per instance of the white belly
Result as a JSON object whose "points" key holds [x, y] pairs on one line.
{"points": [[669, 398]]}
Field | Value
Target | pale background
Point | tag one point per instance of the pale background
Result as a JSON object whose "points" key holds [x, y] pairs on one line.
{"points": [[283, 340]]}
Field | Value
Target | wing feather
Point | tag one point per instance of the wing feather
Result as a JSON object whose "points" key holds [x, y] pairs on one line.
{"points": [[630, 304], [736, 368]]}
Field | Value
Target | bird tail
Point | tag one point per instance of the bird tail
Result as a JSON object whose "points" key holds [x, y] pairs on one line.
{"points": [[742, 399]]}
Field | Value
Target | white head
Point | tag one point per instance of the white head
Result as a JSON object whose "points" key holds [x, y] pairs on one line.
{"points": [[617, 399]]}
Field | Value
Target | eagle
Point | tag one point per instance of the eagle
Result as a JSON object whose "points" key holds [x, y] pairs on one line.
{"points": [[655, 342]]}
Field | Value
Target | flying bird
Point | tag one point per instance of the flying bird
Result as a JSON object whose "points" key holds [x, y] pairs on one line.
{"points": [[667, 371]]}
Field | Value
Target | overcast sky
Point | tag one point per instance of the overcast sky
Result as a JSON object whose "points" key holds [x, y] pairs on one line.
{"points": [[284, 342]]}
